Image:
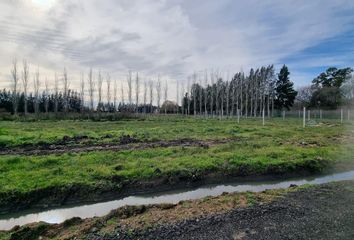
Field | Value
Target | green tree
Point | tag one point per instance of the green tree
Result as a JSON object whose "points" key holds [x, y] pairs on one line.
{"points": [[333, 77], [284, 90], [327, 87]]}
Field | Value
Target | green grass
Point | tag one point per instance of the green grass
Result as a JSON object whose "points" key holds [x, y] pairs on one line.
{"points": [[279, 147], [14, 133]]}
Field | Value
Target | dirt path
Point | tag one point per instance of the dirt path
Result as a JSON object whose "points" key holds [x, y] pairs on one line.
{"points": [[322, 212], [122, 145]]}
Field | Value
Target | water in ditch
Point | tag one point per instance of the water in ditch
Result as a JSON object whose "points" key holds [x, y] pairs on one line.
{"points": [[100, 209]]}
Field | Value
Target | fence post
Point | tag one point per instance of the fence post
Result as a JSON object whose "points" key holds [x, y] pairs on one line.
{"points": [[263, 116], [348, 114], [321, 114], [283, 114], [304, 117], [341, 115]]}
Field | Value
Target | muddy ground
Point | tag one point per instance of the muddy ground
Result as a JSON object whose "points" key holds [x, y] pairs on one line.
{"points": [[321, 212], [85, 144]]}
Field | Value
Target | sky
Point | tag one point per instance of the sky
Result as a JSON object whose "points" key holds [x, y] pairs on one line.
{"points": [[174, 38]]}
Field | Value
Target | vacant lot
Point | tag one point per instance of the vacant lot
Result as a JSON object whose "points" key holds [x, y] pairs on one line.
{"points": [[52, 163]]}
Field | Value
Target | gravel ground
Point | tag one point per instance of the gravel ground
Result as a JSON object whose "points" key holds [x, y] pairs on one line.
{"points": [[321, 212]]}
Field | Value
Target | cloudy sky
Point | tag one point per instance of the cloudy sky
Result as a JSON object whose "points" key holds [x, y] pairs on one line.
{"points": [[174, 38]]}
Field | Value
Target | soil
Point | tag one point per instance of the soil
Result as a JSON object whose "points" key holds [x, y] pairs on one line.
{"points": [[321, 212], [84, 144]]}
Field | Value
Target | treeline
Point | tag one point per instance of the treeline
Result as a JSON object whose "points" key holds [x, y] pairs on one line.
{"points": [[329, 90], [45, 103], [261, 91], [56, 103]]}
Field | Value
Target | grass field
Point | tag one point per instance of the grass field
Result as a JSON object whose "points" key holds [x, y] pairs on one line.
{"points": [[281, 146]]}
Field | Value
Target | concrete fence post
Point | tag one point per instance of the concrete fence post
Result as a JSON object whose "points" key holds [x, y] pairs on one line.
{"points": [[304, 117]]}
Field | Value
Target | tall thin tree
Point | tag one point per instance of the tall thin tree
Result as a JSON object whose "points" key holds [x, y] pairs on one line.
{"points": [[82, 92], [66, 90], [122, 94], [158, 92], [36, 86], [137, 92], [14, 74], [91, 84], [25, 78], [177, 96], [56, 93], [145, 96], [46, 96], [108, 82], [115, 93], [151, 88], [165, 96], [99, 89], [129, 80]]}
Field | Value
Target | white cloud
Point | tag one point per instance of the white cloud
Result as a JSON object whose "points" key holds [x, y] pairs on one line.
{"points": [[171, 38]]}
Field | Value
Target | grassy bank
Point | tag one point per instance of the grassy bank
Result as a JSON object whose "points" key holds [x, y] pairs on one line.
{"points": [[134, 218], [232, 213], [277, 148]]}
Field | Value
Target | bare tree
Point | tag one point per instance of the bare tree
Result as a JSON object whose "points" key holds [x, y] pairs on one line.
{"points": [[66, 90], [56, 93], [82, 92], [14, 74], [241, 93], [303, 97], [182, 97], [200, 89], [212, 93], [151, 88], [122, 93], [205, 93], [137, 92], [188, 96], [145, 95], [165, 96], [217, 94], [177, 96], [194, 93], [91, 84], [46, 96], [227, 89], [36, 86], [221, 95], [158, 93], [25, 78], [108, 81], [115, 89], [99, 89], [129, 80]]}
